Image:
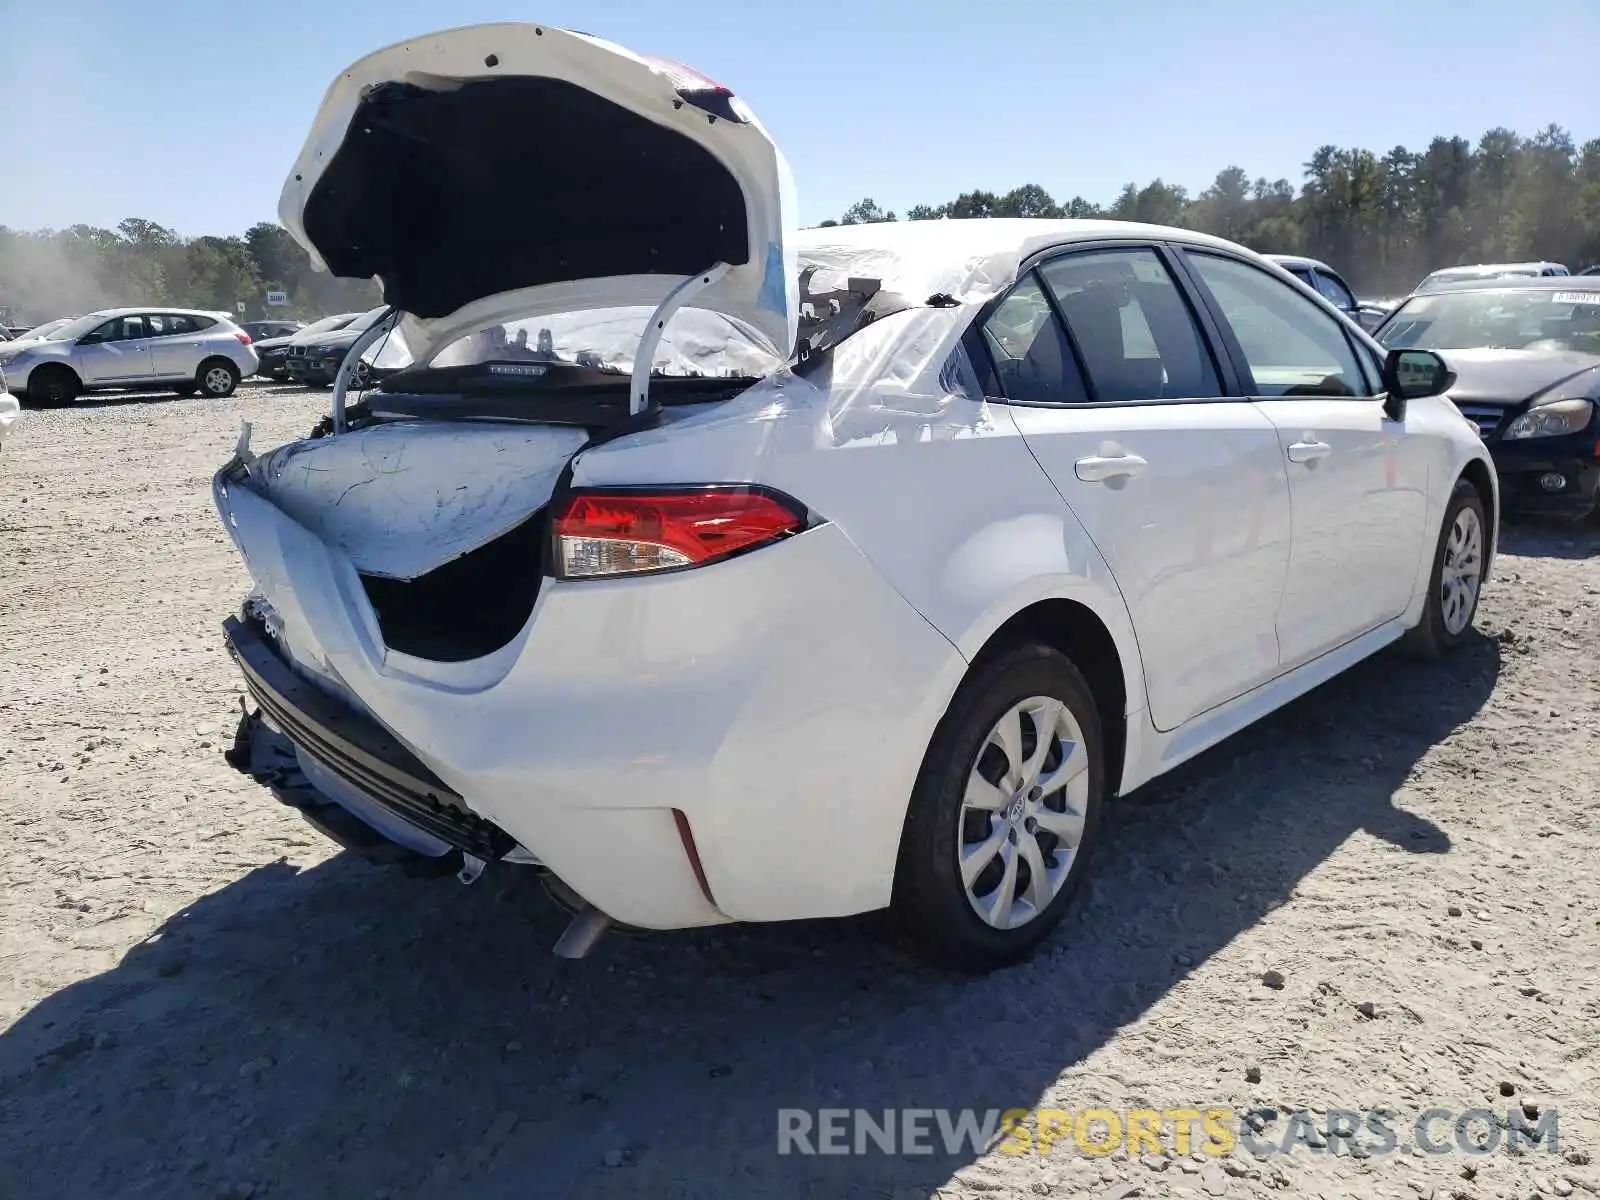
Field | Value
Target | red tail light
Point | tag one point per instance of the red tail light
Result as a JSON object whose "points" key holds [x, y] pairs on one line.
{"points": [[244, 338], [610, 533]]}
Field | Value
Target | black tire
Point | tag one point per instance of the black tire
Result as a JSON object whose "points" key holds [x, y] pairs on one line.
{"points": [[52, 386], [1432, 638], [930, 898], [216, 378]]}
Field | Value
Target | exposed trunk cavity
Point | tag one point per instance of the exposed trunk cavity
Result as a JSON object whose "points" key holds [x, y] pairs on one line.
{"points": [[469, 607]]}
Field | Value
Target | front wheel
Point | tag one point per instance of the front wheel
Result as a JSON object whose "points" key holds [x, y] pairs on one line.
{"points": [[1457, 577], [52, 386], [1004, 813]]}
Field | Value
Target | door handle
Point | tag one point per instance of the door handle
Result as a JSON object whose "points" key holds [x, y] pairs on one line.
{"points": [[1305, 452], [1104, 468]]}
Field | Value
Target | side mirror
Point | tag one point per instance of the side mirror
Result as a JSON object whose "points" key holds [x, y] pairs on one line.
{"points": [[1413, 374]]}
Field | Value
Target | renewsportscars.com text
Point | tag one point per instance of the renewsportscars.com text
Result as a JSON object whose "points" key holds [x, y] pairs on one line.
{"points": [[1214, 1131]]}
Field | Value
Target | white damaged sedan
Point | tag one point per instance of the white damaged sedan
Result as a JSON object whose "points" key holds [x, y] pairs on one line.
{"points": [[720, 572]]}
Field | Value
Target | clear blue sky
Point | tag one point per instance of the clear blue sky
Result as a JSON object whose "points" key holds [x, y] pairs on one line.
{"points": [[189, 112]]}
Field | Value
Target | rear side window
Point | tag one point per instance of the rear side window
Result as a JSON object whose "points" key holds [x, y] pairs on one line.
{"points": [[1031, 355], [1132, 326], [1334, 289], [1293, 347]]}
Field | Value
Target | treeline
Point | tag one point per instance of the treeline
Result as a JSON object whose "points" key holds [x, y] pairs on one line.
{"points": [[69, 271], [1382, 220]]}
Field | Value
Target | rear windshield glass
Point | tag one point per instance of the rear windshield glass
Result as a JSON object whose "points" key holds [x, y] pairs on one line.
{"points": [[694, 343]]}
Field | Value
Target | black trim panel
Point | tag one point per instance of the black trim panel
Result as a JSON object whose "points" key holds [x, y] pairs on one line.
{"points": [[357, 749]]}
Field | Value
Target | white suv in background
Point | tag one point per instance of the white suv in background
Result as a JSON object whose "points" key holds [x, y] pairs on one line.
{"points": [[9, 409], [139, 349]]}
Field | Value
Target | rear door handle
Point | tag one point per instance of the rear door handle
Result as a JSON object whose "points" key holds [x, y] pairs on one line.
{"points": [[1102, 468], [1304, 452]]}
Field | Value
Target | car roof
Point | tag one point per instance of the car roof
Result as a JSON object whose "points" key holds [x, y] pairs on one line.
{"points": [[135, 310], [968, 259], [1299, 260], [1537, 283], [1488, 268]]}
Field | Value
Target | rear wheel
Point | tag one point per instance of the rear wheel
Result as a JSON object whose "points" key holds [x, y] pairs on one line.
{"points": [[52, 386], [1457, 576], [1004, 814], [217, 377]]}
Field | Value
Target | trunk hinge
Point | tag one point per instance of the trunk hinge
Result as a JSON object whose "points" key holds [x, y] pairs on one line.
{"points": [[347, 369], [643, 358]]}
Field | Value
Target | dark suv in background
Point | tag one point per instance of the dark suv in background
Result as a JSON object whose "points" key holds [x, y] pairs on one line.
{"points": [[262, 330], [1320, 277]]}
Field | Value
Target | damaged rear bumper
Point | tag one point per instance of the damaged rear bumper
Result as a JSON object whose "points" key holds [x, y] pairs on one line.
{"points": [[296, 721]]}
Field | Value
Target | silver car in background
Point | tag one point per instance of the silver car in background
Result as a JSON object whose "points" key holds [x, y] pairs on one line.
{"points": [[1447, 277], [136, 349]]}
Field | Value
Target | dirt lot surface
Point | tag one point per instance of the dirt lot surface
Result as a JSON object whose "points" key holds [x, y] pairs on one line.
{"points": [[1385, 896]]}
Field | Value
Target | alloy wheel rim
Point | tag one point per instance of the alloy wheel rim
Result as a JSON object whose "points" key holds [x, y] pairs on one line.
{"points": [[1461, 573], [1022, 816], [217, 381]]}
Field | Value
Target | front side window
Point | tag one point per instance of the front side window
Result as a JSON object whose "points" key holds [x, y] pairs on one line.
{"points": [[1334, 289], [1292, 347], [118, 329], [1132, 326], [1031, 355]]}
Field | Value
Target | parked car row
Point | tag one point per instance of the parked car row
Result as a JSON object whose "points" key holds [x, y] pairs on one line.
{"points": [[185, 351]]}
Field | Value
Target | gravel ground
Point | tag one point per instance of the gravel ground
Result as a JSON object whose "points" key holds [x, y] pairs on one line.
{"points": [[1383, 896]]}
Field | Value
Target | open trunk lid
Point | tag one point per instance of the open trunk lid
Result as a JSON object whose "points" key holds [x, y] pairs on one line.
{"points": [[511, 170]]}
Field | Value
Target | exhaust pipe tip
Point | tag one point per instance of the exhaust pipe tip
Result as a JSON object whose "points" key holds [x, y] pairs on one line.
{"points": [[587, 927]]}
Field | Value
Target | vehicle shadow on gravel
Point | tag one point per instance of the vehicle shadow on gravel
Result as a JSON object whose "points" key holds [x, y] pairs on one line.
{"points": [[347, 1032], [252, 387], [1533, 538]]}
